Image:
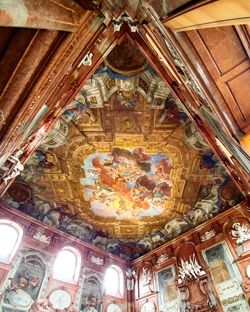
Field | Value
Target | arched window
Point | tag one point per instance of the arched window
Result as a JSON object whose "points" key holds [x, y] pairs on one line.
{"points": [[67, 265], [11, 235], [113, 281]]}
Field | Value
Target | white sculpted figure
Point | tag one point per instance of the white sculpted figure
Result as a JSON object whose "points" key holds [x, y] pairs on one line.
{"points": [[130, 273], [190, 269], [15, 170], [162, 258], [240, 233], [146, 276], [42, 237], [87, 60], [97, 260], [207, 235]]}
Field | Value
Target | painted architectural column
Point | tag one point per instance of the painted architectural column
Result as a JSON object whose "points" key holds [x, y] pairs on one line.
{"points": [[63, 15]]}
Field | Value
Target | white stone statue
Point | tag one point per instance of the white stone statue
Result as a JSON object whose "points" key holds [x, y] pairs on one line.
{"points": [[130, 273], [16, 169], [117, 23], [97, 260], [240, 233], [207, 235], [146, 277], [87, 60], [42, 237], [190, 269], [162, 258]]}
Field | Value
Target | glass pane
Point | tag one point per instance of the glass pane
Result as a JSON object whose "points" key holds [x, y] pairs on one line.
{"points": [[112, 281], [65, 265], [8, 241]]}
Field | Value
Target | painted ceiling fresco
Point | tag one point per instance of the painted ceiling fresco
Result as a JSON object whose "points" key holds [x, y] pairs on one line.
{"points": [[127, 184], [123, 168]]}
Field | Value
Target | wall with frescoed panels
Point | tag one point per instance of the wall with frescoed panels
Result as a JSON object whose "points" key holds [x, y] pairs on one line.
{"points": [[222, 259], [218, 250], [28, 279]]}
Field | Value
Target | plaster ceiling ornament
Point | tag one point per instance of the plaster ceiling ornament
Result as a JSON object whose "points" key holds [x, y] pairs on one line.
{"points": [[126, 94], [42, 237], [125, 17], [240, 232], [208, 235], [190, 270]]}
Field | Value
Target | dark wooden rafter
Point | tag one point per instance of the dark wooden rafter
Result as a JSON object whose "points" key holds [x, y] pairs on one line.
{"points": [[51, 79], [64, 87], [31, 64]]}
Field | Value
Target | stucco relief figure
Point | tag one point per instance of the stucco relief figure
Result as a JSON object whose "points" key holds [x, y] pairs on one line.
{"points": [[15, 167], [207, 235], [97, 260], [240, 233], [190, 269], [42, 237], [87, 59], [130, 273], [92, 292], [146, 277], [16, 293], [44, 305], [162, 258]]}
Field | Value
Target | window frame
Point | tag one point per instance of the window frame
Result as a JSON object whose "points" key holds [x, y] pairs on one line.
{"points": [[119, 293], [75, 278], [19, 230]]}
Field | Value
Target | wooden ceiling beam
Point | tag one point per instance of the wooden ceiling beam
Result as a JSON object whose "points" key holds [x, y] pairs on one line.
{"points": [[60, 91], [211, 14]]}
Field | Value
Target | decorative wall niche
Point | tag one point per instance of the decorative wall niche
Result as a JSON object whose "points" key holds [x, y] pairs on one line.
{"points": [[91, 292], [168, 298], [226, 277], [26, 282]]}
